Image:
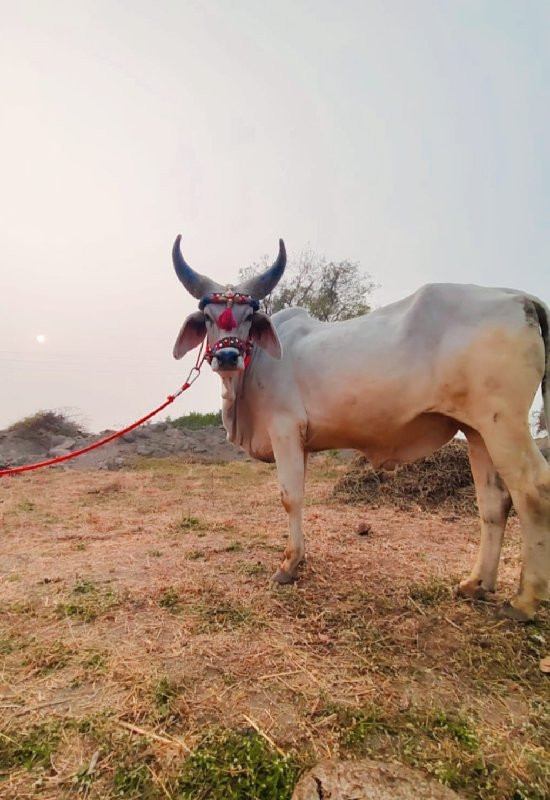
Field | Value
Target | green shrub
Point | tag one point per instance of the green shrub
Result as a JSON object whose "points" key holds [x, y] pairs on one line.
{"points": [[195, 420]]}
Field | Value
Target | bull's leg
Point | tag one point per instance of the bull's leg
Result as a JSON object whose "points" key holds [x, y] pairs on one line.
{"points": [[494, 503], [291, 470], [527, 476]]}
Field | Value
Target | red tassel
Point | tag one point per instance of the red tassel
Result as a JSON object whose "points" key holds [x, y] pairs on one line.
{"points": [[226, 320]]}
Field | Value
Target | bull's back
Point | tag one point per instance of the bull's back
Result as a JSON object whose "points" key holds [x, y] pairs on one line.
{"points": [[364, 381]]}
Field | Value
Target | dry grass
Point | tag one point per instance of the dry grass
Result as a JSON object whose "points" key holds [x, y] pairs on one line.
{"points": [[442, 480], [47, 422], [121, 649]]}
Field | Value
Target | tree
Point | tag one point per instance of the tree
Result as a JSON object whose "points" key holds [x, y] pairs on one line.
{"points": [[329, 290], [541, 423]]}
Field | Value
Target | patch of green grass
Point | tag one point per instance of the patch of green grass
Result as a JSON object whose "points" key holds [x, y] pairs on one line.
{"points": [[501, 654], [132, 781], [31, 749], [94, 661], [170, 599], [79, 546], [164, 694], [236, 765], [154, 553], [83, 779], [445, 744], [88, 601]]}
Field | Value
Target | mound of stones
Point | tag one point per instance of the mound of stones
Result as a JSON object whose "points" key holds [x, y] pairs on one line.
{"points": [[161, 440]]}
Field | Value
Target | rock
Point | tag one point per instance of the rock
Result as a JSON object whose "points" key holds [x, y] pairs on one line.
{"points": [[364, 529], [61, 443], [57, 439], [128, 437], [57, 452], [116, 463], [368, 780]]}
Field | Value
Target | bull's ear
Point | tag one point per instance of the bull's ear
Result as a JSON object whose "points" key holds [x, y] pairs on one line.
{"points": [[265, 335], [192, 333]]}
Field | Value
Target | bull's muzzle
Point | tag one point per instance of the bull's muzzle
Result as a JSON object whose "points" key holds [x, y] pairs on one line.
{"points": [[228, 358], [229, 354]]}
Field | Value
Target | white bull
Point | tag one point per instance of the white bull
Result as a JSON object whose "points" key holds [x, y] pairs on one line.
{"points": [[395, 384]]}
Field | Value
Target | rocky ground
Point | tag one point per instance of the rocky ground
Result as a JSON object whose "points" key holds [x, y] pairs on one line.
{"points": [[49, 434], [25, 445]]}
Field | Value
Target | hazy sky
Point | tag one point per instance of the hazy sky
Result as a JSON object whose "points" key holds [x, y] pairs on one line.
{"points": [[412, 136]]}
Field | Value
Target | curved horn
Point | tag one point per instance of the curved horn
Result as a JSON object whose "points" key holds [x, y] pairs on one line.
{"points": [[261, 285], [196, 284]]}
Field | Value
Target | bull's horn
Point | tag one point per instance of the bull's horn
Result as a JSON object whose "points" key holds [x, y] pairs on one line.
{"points": [[261, 285], [196, 284]]}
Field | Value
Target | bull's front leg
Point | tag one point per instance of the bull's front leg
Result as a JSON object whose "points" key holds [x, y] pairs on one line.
{"points": [[291, 463]]}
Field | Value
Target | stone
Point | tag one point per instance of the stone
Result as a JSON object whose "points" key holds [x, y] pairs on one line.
{"points": [[57, 439], [57, 452], [368, 780]]}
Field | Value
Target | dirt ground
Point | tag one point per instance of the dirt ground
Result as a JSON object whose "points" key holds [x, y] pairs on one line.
{"points": [[137, 611]]}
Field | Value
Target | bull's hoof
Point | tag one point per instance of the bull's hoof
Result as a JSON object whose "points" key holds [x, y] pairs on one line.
{"points": [[282, 577], [471, 591], [508, 611]]}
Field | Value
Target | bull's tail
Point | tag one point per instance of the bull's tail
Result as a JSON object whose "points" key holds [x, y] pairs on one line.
{"points": [[543, 314]]}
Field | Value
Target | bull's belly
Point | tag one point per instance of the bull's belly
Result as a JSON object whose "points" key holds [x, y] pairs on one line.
{"points": [[388, 444]]}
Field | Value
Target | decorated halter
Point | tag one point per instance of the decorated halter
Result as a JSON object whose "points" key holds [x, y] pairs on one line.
{"points": [[226, 321]]}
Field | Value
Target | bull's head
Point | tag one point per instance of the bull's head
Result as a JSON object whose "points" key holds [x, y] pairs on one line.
{"points": [[228, 315]]}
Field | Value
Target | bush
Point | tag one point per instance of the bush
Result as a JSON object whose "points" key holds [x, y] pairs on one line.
{"points": [[47, 422], [195, 420]]}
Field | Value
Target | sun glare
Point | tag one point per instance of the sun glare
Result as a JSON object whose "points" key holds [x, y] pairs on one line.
{"points": [[40, 338]]}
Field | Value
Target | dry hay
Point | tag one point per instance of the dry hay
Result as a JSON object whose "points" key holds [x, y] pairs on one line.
{"points": [[442, 480]]}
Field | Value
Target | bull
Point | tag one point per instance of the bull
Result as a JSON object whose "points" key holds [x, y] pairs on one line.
{"points": [[395, 384]]}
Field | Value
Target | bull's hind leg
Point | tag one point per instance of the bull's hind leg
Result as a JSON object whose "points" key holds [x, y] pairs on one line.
{"points": [[291, 470], [527, 476], [494, 503]]}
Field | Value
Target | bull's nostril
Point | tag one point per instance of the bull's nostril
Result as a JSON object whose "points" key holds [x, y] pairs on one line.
{"points": [[228, 357]]}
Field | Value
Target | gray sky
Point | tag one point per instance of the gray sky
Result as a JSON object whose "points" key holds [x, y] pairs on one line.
{"points": [[412, 136]]}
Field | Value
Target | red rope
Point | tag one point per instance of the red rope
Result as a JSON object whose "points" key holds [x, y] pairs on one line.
{"points": [[170, 399]]}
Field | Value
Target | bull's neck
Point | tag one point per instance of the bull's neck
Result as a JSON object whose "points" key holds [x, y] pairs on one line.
{"points": [[231, 388]]}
